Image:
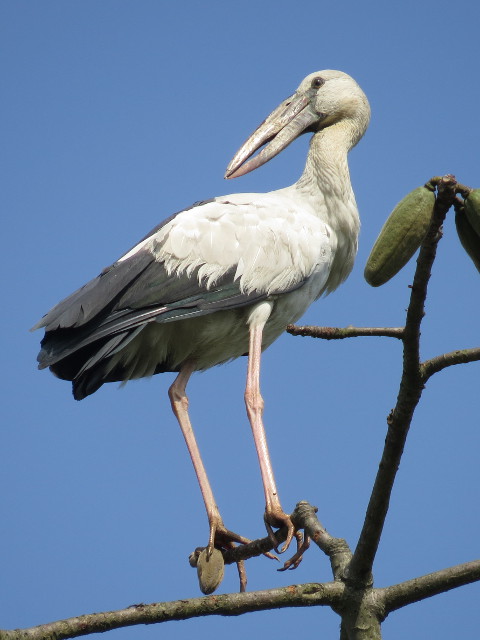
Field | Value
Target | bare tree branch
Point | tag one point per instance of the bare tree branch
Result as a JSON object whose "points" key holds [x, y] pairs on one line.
{"points": [[336, 549], [410, 391], [233, 604], [434, 365], [336, 333], [405, 593]]}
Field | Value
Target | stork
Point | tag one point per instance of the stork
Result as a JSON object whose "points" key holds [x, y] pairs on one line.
{"points": [[224, 277]]}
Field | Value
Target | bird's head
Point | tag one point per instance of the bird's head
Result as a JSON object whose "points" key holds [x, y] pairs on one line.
{"points": [[323, 99]]}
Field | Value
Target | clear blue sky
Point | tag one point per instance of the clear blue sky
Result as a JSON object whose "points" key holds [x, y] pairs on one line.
{"points": [[116, 114]]}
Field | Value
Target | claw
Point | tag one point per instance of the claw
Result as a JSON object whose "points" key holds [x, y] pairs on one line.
{"points": [[290, 534], [303, 544], [242, 574], [277, 518], [271, 534]]}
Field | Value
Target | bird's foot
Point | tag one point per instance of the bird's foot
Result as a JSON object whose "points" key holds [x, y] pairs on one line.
{"points": [[276, 517], [220, 539], [209, 560]]}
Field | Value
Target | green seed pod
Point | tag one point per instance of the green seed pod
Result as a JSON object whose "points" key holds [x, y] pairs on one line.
{"points": [[472, 209], [469, 238], [401, 236], [210, 571]]}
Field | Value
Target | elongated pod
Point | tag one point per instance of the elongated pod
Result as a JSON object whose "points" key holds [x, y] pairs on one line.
{"points": [[472, 209], [468, 235], [401, 236]]}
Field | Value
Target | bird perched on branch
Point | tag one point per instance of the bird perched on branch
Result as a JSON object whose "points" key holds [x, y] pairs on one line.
{"points": [[223, 278]]}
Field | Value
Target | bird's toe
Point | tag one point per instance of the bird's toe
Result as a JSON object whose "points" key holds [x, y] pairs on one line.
{"points": [[303, 543], [278, 518]]}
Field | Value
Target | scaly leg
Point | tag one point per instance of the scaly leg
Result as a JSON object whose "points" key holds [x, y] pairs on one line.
{"points": [[274, 514], [218, 533]]}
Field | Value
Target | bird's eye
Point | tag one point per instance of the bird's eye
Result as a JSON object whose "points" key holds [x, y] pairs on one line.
{"points": [[317, 82]]}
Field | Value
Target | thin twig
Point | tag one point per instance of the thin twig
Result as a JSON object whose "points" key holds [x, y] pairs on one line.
{"points": [[336, 333]]}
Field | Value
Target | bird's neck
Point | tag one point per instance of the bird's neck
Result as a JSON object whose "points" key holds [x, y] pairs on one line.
{"points": [[326, 170], [326, 184]]}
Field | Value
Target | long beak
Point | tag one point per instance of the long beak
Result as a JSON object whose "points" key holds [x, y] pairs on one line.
{"points": [[290, 119]]}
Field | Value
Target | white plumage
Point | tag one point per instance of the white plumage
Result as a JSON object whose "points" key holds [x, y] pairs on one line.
{"points": [[290, 241], [225, 277]]}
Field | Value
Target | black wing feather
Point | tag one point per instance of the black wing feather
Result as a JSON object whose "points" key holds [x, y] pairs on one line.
{"points": [[87, 328]]}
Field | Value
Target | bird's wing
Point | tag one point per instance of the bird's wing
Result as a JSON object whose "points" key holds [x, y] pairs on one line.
{"points": [[217, 255], [270, 242]]}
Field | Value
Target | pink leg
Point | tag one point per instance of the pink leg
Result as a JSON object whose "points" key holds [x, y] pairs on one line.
{"points": [[274, 514], [179, 401]]}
